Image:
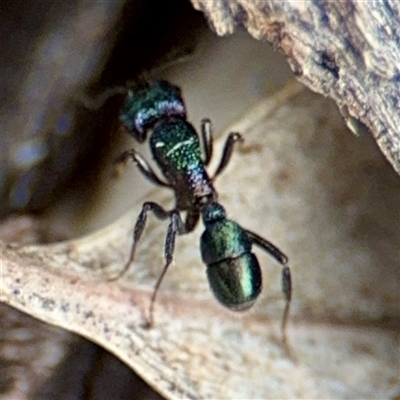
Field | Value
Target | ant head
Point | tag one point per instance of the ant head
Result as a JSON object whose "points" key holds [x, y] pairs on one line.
{"points": [[148, 103]]}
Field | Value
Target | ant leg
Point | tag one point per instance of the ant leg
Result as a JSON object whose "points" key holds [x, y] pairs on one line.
{"points": [[286, 275], [142, 165], [98, 101], [287, 291], [227, 152], [175, 226], [160, 213], [192, 218], [268, 247], [207, 139]]}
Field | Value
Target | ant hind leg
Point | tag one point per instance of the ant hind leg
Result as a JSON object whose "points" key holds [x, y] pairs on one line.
{"points": [[287, 291], [286, 275]]}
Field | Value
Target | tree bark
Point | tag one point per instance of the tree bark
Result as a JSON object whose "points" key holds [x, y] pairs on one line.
{"points": [[348, 51]]}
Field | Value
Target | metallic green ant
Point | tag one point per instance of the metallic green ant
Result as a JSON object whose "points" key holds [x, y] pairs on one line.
{"points": [[233, 271]]}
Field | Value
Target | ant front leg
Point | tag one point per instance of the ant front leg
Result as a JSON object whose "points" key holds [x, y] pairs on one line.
{"points": [[227, 152], [207, 139], [142, 165], [286, 275]]}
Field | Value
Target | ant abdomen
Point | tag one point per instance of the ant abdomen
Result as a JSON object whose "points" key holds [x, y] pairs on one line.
{"points": [[233, 271], [236, 282]]}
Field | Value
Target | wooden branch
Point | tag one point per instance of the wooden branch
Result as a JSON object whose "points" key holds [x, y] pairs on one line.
{"points": [[348, 51]]}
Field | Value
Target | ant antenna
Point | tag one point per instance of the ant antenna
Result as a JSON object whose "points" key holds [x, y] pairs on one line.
{"points": [[98, 101]]}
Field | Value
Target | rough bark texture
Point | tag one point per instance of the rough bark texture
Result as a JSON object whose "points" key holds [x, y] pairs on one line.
{"points": [[348, 51]]}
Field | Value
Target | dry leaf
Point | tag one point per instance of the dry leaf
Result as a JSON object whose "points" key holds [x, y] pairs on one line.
{"points": [[326, 198]]}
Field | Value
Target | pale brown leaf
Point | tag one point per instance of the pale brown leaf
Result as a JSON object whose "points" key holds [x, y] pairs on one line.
{"points": [[326, 198]]}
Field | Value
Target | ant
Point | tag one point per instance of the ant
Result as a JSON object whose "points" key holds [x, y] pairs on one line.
{"points": [[233, 271]]}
